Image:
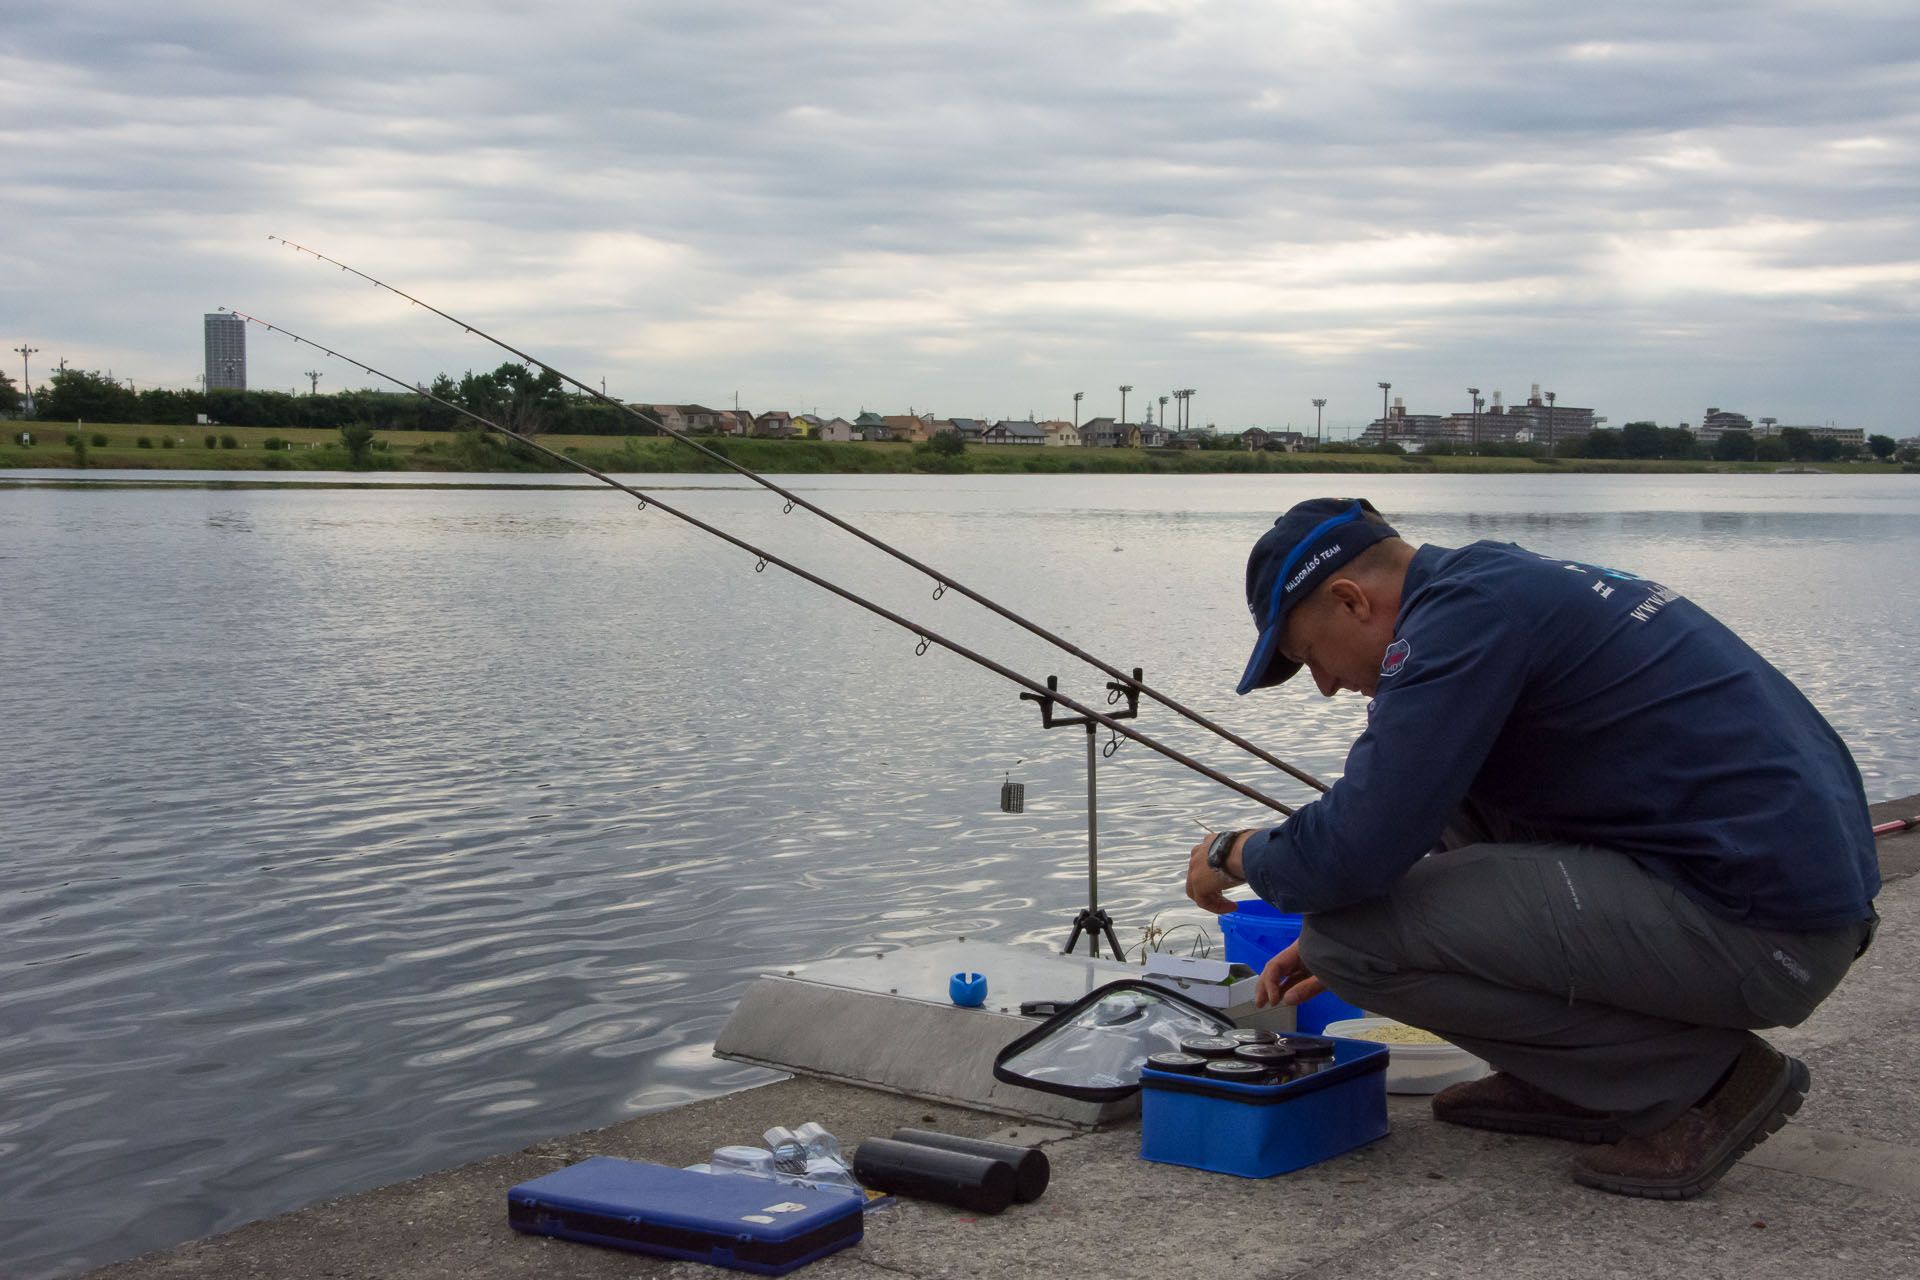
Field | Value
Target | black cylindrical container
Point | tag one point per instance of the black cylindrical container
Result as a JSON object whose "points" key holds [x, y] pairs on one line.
{"points": [[1275, 1058], [1186, 1064], [1252, 1035], [979, 1183], [1238, 1070], [1030, 1166], [1208, 1046], [1310, 1053]]}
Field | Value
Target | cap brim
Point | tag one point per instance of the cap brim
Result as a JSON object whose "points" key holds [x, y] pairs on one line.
{"points": [[1266, 667]]}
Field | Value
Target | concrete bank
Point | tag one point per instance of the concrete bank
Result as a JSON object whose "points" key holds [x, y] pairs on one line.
{"points": [[1836, 1192]]}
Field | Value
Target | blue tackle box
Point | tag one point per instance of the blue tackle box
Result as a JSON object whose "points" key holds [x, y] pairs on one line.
{"points": [[727, 1220], [1259, 1130]]}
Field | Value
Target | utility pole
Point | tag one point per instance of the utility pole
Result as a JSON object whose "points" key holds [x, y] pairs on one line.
{"points": [[1553, 438], [26, 375], [313, 382], [1078, 396], [1475, 393], [1123, 403], [1318, 404]]}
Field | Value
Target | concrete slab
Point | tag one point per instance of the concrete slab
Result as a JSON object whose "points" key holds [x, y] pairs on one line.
{"points": [[1836, 1192]]}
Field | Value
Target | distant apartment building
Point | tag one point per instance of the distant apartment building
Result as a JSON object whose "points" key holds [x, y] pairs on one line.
{"points": [[1538, 421], [226, 338], [1720, 421]]}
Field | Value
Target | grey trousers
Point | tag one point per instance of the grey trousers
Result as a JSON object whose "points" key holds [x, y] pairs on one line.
{"points": [[1575, 970]]}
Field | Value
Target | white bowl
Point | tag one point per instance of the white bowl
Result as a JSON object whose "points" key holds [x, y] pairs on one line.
{"points": [[1415, 1068]]}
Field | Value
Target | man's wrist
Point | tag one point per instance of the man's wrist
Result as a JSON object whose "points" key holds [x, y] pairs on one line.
{"points": [[1223, 854]]}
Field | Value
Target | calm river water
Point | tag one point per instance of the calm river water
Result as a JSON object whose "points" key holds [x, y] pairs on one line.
{"points": [[352, 833]]}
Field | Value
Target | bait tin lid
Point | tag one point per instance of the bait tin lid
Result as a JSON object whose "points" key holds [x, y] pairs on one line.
{"points": [[1252, 1035], [1309, 1047], [1238, 1070], [1267, 1055], [1208, 1046], [1189, 1064]]}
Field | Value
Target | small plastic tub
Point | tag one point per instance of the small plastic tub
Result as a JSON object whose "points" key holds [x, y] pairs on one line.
{"points": [[1255, 932], [1415, 1068]]}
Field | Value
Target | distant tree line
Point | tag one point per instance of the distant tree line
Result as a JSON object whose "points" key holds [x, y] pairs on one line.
{"points": [[512, 395]]}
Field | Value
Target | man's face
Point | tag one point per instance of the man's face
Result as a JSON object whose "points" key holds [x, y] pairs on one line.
{"points": [[1339, 636]]}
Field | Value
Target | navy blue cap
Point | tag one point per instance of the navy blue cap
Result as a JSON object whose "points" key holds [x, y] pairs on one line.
{"points": [[1301, 551]]}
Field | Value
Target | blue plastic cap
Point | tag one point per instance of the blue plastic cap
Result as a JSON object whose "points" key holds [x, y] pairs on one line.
{"points": [[968, 990]]}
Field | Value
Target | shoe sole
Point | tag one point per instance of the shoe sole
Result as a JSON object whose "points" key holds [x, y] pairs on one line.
{"points": [[1792, 1092], [1592, 1133]]}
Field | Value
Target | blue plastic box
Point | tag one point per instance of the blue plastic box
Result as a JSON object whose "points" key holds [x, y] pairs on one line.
{"points": [[749, 1224], [1259, 1130], [1257, 932]]}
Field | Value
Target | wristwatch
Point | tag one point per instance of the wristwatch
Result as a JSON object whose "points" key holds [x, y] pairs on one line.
{"points": [[1219, 848]]}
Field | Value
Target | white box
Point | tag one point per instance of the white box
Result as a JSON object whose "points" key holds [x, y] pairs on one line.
{"points": [[1214, 983]]}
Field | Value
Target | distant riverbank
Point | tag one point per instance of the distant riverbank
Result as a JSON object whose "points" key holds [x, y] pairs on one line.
{"points": [[137, 447]]}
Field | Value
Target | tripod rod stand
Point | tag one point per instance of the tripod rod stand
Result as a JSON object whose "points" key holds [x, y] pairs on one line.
{"points": [[1093, 921]]}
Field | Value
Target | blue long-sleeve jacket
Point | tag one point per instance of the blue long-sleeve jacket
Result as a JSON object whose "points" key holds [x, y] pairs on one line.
{"points": [[1590, 707]]}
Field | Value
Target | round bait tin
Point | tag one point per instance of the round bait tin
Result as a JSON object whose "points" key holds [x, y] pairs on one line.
{"points": [[1208, 1046], [1237, 1070], [1275, 1059], [1186, 1064], [1252, 1035], [1310, 1053]]}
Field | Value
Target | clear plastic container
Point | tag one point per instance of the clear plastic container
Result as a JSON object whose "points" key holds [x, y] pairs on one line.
{"points": [[1415, 1068]]}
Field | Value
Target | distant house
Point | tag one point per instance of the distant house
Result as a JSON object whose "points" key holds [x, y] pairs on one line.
{"points": [[1153, 436], [1105, 433], [1007, 431], [969, 429], [907, 426], [691, 419], [776, 424], [871, 426], [838, 431], [1061, 433], [1290, 441], [736, 422], [809, 424], [1253, 438], [1188, 440]]}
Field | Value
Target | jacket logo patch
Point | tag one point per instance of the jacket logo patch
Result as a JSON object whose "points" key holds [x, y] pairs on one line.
{"points": [[1396, 657]]}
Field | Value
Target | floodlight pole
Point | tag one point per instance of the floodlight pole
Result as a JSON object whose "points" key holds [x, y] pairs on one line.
{"points": [[1553, 438], [1318, 404], [1475, 393], [1123, 403], [1077, 397]]}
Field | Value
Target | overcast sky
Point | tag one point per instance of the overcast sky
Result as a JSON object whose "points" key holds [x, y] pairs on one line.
{"points": [[981, 208]]}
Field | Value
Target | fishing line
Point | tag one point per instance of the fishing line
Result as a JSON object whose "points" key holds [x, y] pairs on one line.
{"points": [[927, 636], [792, 500]]}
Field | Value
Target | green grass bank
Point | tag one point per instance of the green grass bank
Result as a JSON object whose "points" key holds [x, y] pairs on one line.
{"points": [[250, 449]]}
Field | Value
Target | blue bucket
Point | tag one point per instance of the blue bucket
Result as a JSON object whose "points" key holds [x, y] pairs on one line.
{"points": [[1258, 932]]}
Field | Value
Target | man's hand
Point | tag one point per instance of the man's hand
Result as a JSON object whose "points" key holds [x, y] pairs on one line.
{"points": [[1208, 887], [1285, 980]]}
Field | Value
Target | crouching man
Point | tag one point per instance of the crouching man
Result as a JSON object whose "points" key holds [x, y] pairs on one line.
{"points": [[1653, 843]]}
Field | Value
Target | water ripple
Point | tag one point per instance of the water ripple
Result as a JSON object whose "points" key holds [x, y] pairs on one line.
{"points": [[352, 833]]}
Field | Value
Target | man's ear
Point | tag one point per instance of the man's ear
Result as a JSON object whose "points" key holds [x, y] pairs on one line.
{"points": [[1351, 597]]}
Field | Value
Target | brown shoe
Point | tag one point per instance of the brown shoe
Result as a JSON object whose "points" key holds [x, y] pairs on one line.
{"points": [[1688, 1156], [1508, 1104]]}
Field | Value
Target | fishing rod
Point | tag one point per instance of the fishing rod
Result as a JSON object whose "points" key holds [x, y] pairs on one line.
{"points": [[927, 635], [793, 499], [1898, 824]]}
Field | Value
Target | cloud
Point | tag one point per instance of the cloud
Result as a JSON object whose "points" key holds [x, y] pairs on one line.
{"points": [[852, 202]]}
